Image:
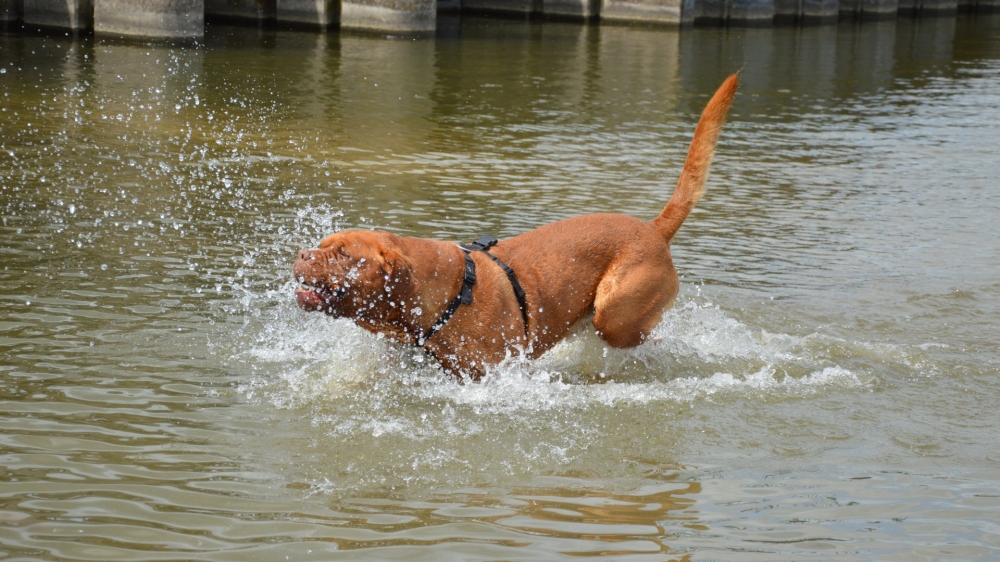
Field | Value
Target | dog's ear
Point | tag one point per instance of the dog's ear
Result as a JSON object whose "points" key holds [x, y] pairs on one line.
{"points": [[393, 263], [386, 258]]}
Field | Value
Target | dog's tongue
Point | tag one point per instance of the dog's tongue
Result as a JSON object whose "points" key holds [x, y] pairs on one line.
{"points": [[308, 299]]}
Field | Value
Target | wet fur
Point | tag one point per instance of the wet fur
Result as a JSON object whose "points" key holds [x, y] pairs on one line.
{"points": [[614, 266]]}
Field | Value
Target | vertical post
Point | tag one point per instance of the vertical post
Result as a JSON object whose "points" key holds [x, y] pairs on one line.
{"points": [[150, 18], [321, 14], [63, 14]]}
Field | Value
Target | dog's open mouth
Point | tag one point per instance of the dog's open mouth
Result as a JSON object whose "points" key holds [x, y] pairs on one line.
{"points": [[311, 297]]}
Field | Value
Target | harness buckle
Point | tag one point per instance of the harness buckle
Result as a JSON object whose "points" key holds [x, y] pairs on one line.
{"points": [[485, 242]]}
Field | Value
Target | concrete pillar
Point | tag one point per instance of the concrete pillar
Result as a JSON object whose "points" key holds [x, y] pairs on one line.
{"points": [[320, 14], [927, 7], [819, 11], [64, 14], [869, 9], [503, 6], [571, 9], [389, 15], [648, 11], [712, 12], [247, 11], [751, 12], [806, 11], [150, 18], [739, 12]]}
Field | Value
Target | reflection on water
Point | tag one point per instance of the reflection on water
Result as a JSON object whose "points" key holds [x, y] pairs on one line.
{"points": [[825, 386]]}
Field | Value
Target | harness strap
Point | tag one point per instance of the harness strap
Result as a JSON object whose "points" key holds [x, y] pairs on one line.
{"points": [[483, 245], [464, 297]]}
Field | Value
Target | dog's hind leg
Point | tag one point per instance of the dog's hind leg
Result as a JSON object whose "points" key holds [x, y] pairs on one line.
{"points": [[627, 307]]}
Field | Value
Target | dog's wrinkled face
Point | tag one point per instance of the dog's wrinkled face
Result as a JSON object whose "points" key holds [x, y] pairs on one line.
{"points": [[354, 274]]}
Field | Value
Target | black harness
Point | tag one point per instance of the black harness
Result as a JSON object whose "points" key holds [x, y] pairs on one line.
{"points": [[483, 245]]}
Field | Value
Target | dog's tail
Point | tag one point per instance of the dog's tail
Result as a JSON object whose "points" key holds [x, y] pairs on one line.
{"points": [[692, 181]]}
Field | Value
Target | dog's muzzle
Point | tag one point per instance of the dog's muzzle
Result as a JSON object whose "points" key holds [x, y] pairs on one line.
{"points": [[312, 293], [318, 298]]}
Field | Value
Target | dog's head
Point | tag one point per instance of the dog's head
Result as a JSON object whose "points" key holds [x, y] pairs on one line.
{"points": [[355, 274]]}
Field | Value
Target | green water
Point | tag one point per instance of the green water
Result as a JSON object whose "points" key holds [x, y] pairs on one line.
{"points": [[826, 387]]}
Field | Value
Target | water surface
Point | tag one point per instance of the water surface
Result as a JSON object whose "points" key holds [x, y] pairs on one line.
{"points": [[826, 386]]}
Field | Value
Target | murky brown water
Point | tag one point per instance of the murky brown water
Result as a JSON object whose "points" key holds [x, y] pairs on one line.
{"points": [[827, 386]]}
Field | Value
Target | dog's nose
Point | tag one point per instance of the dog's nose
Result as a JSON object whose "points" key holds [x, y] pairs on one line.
{"points": [[305, 255]]}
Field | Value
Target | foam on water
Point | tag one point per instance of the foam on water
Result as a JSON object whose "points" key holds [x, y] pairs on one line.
{"points": [[697, 351]]}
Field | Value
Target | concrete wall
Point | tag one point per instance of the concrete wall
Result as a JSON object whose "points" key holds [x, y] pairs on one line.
{"points": [[869, 9], [185, 18], [63, 14], [646, 11], [571, 9], [503, 6], [250, 11], [737, 12], [806, 11], [150, 18], [320, 14], [914, 7], [389, 15]]}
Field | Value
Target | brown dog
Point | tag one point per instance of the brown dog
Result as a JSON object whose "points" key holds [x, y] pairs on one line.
{"points": [[614, 266]]}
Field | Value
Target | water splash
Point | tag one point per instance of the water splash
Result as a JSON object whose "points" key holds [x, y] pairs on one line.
{"points": [[697, 351]]}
